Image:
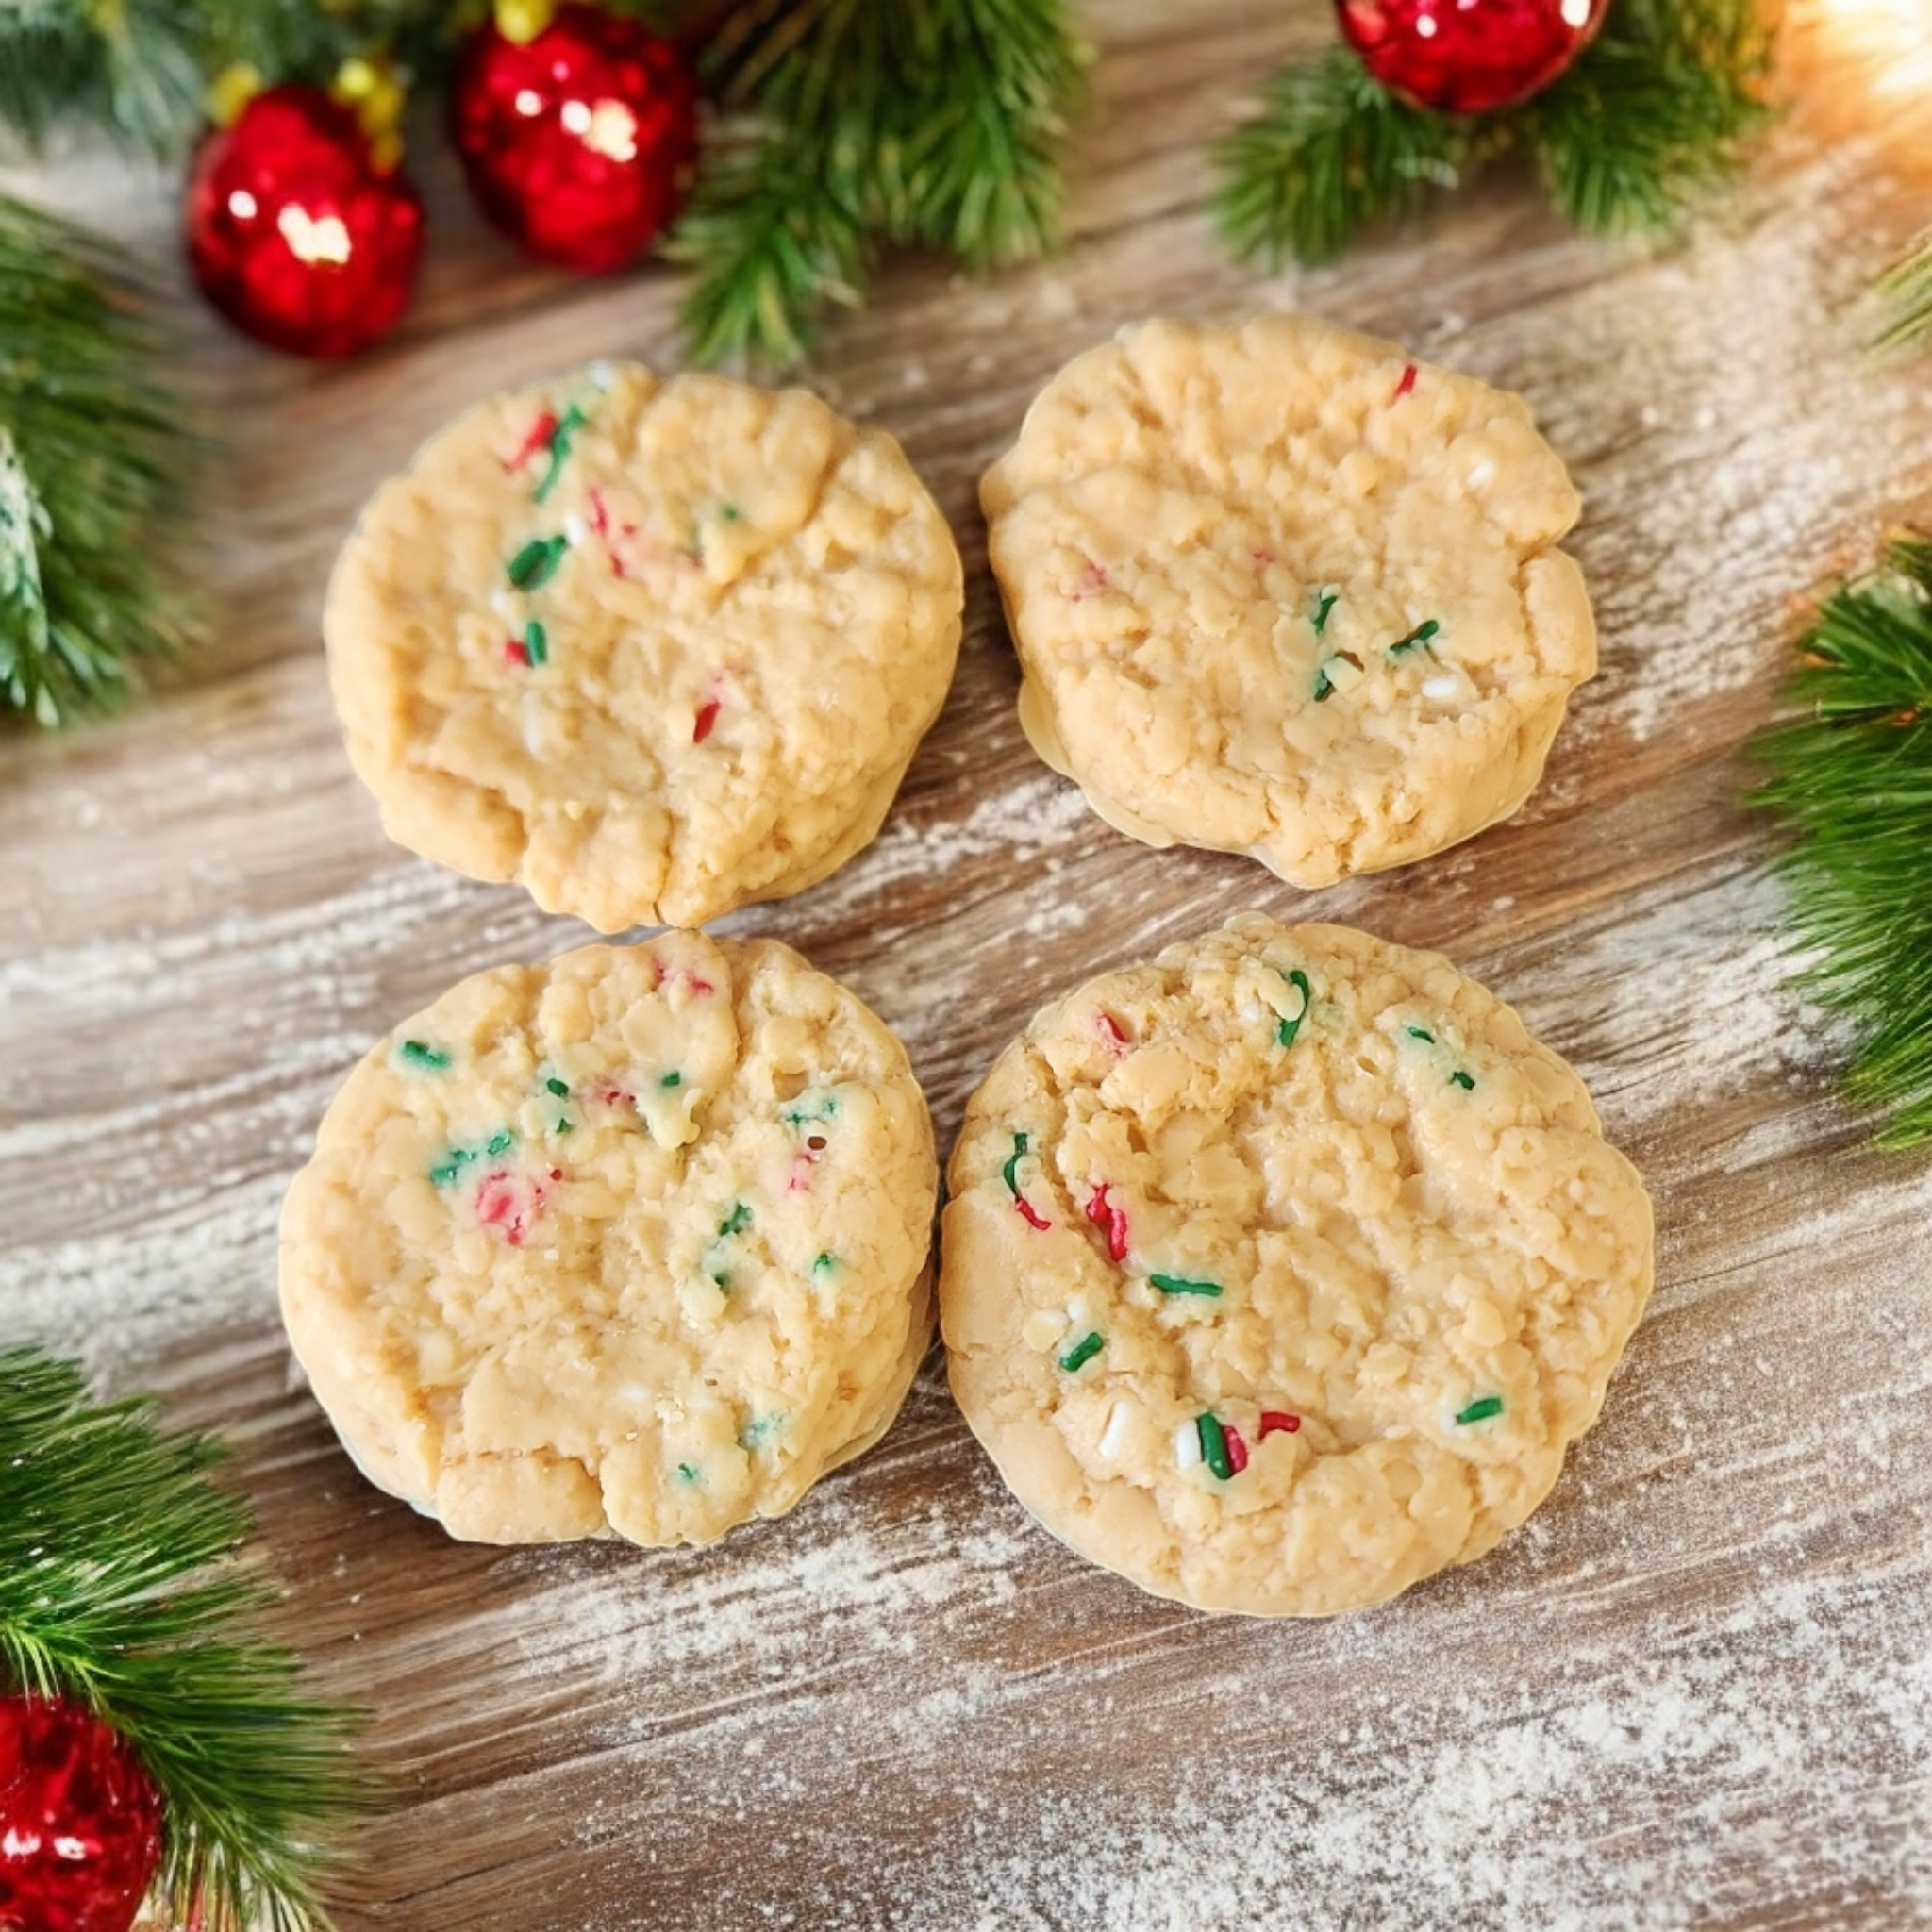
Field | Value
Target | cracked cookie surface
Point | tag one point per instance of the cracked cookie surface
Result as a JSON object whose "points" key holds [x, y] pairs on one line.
{"points": [[637, 1242], [655, 649], [1282, 590], [1278, 1275]]}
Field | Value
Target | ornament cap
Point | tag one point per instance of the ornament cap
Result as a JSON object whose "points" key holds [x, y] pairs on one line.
{"points": [[231, 91], [521, 21], [375, 93]]}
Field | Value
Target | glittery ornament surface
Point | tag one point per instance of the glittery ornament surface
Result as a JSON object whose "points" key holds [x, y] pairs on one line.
{"points": [[294, 233], [80, 1830], [1467, 57], [580, 143]]}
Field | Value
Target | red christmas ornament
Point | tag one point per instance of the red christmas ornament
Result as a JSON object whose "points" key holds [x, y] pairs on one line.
{"points": [[80, 1825], [578, 131], [296, 230], [1466, 57]]}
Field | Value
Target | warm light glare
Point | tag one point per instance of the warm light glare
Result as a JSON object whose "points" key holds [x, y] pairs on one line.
{"points": [[1895, 36], [323, 243]]}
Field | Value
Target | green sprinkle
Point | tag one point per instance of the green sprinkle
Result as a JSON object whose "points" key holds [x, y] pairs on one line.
{"points": [[760, 1431], [730, 514], [1285, 1033], [500, 1143], [1082, 1353], [671, 1080], [451, 1165], [429, 1057], [1325, 599], [1465, 1081], [1417, 1033], [1180, 1284], [1417, 640], [536, 642], [535, 562], [1011, 1170], [563, 1127], [560, 1088], [573, 420], [720, 1280], [1325, 687], [1481, 1409], [825, 1264], [735, 1222], [1214, 1446], [688, 1470], [799, 1116]]}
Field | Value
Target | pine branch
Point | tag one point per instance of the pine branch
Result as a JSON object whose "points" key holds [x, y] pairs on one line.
{"points": [[119, 1589], [1909, 288], [1652, 115], [1329, 153], [1852, 781], [91, 485], [858, 123]]}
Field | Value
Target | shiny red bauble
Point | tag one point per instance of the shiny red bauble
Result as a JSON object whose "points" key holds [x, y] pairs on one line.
{"points": [[295, 233], [578, 143], [80, 1825], [1467, 57]]}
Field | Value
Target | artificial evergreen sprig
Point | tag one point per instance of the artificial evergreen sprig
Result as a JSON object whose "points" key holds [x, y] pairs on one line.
{"points": [[1909, 290], [1653, 113], [856, 123], [93, 462], [1851, 778], [120, 1587]]}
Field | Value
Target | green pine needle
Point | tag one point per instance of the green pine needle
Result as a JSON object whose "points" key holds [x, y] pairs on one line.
{"points": [[1652, 115], [852, 123], [1329, 153], [92, 464], [1852, 781], [1909, 288], [119, 1589]]}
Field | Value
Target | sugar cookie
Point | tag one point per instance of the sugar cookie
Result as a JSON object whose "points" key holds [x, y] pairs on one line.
{"points": [[1277, 1274], [635, 1242], [653, 648], [1281, 589]]}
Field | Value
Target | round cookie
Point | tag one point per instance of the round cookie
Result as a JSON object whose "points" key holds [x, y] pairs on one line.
{"points": [[1282, 590], [653, 648], [637, 1242], [1277, 1274]]}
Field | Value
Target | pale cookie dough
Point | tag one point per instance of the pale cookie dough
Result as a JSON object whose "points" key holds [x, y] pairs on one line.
{"points": [[1282, 590], [653, 648], [635, 1243], [1277, 1274]]}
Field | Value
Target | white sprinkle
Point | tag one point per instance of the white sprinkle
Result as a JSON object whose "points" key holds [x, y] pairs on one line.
{"points": [[1113, 1438], [575, 530], [1484, 472], [1446, 686], [504, 605], [1187, 1445]]}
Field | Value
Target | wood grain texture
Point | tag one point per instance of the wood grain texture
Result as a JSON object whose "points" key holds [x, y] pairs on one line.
{"points": [[1696, 1690]]}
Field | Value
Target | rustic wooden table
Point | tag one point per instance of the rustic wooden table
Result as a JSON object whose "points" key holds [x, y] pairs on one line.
{"points": [[1697, 1690]]}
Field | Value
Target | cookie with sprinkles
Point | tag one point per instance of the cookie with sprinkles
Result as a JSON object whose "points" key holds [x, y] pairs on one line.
{"points": [[1278, 1275], [655, 648], [1282, 590], [634, 1244]]}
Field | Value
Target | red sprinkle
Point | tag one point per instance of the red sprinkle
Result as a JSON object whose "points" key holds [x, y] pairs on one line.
{"points": [[1116, 1039], [541, 430], [1113, 1219], [1030, 1214], [708, 716], [616, 1096], [1093, 579], [1408, 383], [1279, 1421], [664, 973], [516, 652], [1236, 1449], [510, 1203]]}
